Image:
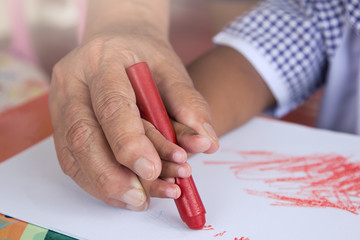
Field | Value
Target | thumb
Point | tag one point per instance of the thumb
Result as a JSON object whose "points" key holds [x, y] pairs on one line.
{"points": [[185, 104]]}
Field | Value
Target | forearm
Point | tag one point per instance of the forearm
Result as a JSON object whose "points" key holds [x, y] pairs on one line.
{"points": [[232, 87], [111, 15]]}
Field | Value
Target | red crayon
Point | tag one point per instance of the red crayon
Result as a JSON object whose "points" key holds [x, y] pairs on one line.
{"points": [[152, 109]]}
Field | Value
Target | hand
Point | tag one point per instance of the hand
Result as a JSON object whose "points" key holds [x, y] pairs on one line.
{"points": [[100, 139]]}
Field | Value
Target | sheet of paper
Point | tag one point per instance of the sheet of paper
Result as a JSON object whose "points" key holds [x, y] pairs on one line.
{"points": [[269, 180]]}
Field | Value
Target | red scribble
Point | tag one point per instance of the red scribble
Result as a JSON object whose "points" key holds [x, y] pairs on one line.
{"points": [[210, 227], [242, 238], [318, 180], [206, 228], [220, 234]]}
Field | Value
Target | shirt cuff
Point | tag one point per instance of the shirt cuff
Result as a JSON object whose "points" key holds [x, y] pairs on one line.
{"points": [[266, 69]]}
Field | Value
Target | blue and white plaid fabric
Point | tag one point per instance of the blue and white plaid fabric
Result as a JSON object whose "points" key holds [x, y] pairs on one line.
{"points": [[296, 38]]}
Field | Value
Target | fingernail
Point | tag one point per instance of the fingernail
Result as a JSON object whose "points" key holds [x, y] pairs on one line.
{"points": [[173, 193], [204, 142], [210, 131], [179, 157], [144, 168], [134, 197], [184, 172]]}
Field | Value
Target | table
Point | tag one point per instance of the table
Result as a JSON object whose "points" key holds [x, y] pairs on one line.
{"points": [[24, 125]]}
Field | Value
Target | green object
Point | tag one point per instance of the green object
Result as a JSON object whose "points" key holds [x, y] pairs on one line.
{"points": [[34, 233], [51, 235]]}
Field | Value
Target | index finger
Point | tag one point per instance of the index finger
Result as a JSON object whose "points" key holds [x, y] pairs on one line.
{"points": [[114, 104]]}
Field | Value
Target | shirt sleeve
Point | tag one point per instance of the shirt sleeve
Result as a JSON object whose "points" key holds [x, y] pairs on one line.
{"points": [[282, 41]]}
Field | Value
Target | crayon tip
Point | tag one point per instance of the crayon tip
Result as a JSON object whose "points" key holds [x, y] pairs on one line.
{"points": [[196, 222]]}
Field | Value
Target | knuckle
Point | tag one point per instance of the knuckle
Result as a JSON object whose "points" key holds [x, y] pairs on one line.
{"points": [[95, 48], [93, 52], [70, 168], [128, 56], [111, 105], [102, 49], [68, 164], [150, 130], [128, 145], [79, 136]]}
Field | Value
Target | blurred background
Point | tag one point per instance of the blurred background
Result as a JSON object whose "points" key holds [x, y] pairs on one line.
{"points": [[35, 34], [51, 25]]}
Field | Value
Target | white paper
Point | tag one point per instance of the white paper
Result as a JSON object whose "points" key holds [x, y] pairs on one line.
{"points": [[240, 205]]}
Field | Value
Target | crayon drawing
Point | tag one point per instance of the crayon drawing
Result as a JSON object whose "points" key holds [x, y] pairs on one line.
{"points": [[317, 180], [222, 233]]}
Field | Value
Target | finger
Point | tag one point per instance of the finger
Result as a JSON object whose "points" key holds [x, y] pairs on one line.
{"points": [[71, 167], [115, 108], [183, 102], [190, 140], [112, 180], [161, 189], [77, 130], [171, 170], [173, 157], [167, 150], [170, 180]]}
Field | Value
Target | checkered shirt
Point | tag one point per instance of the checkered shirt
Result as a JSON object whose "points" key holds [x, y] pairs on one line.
{"points": [[297, 39]]}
